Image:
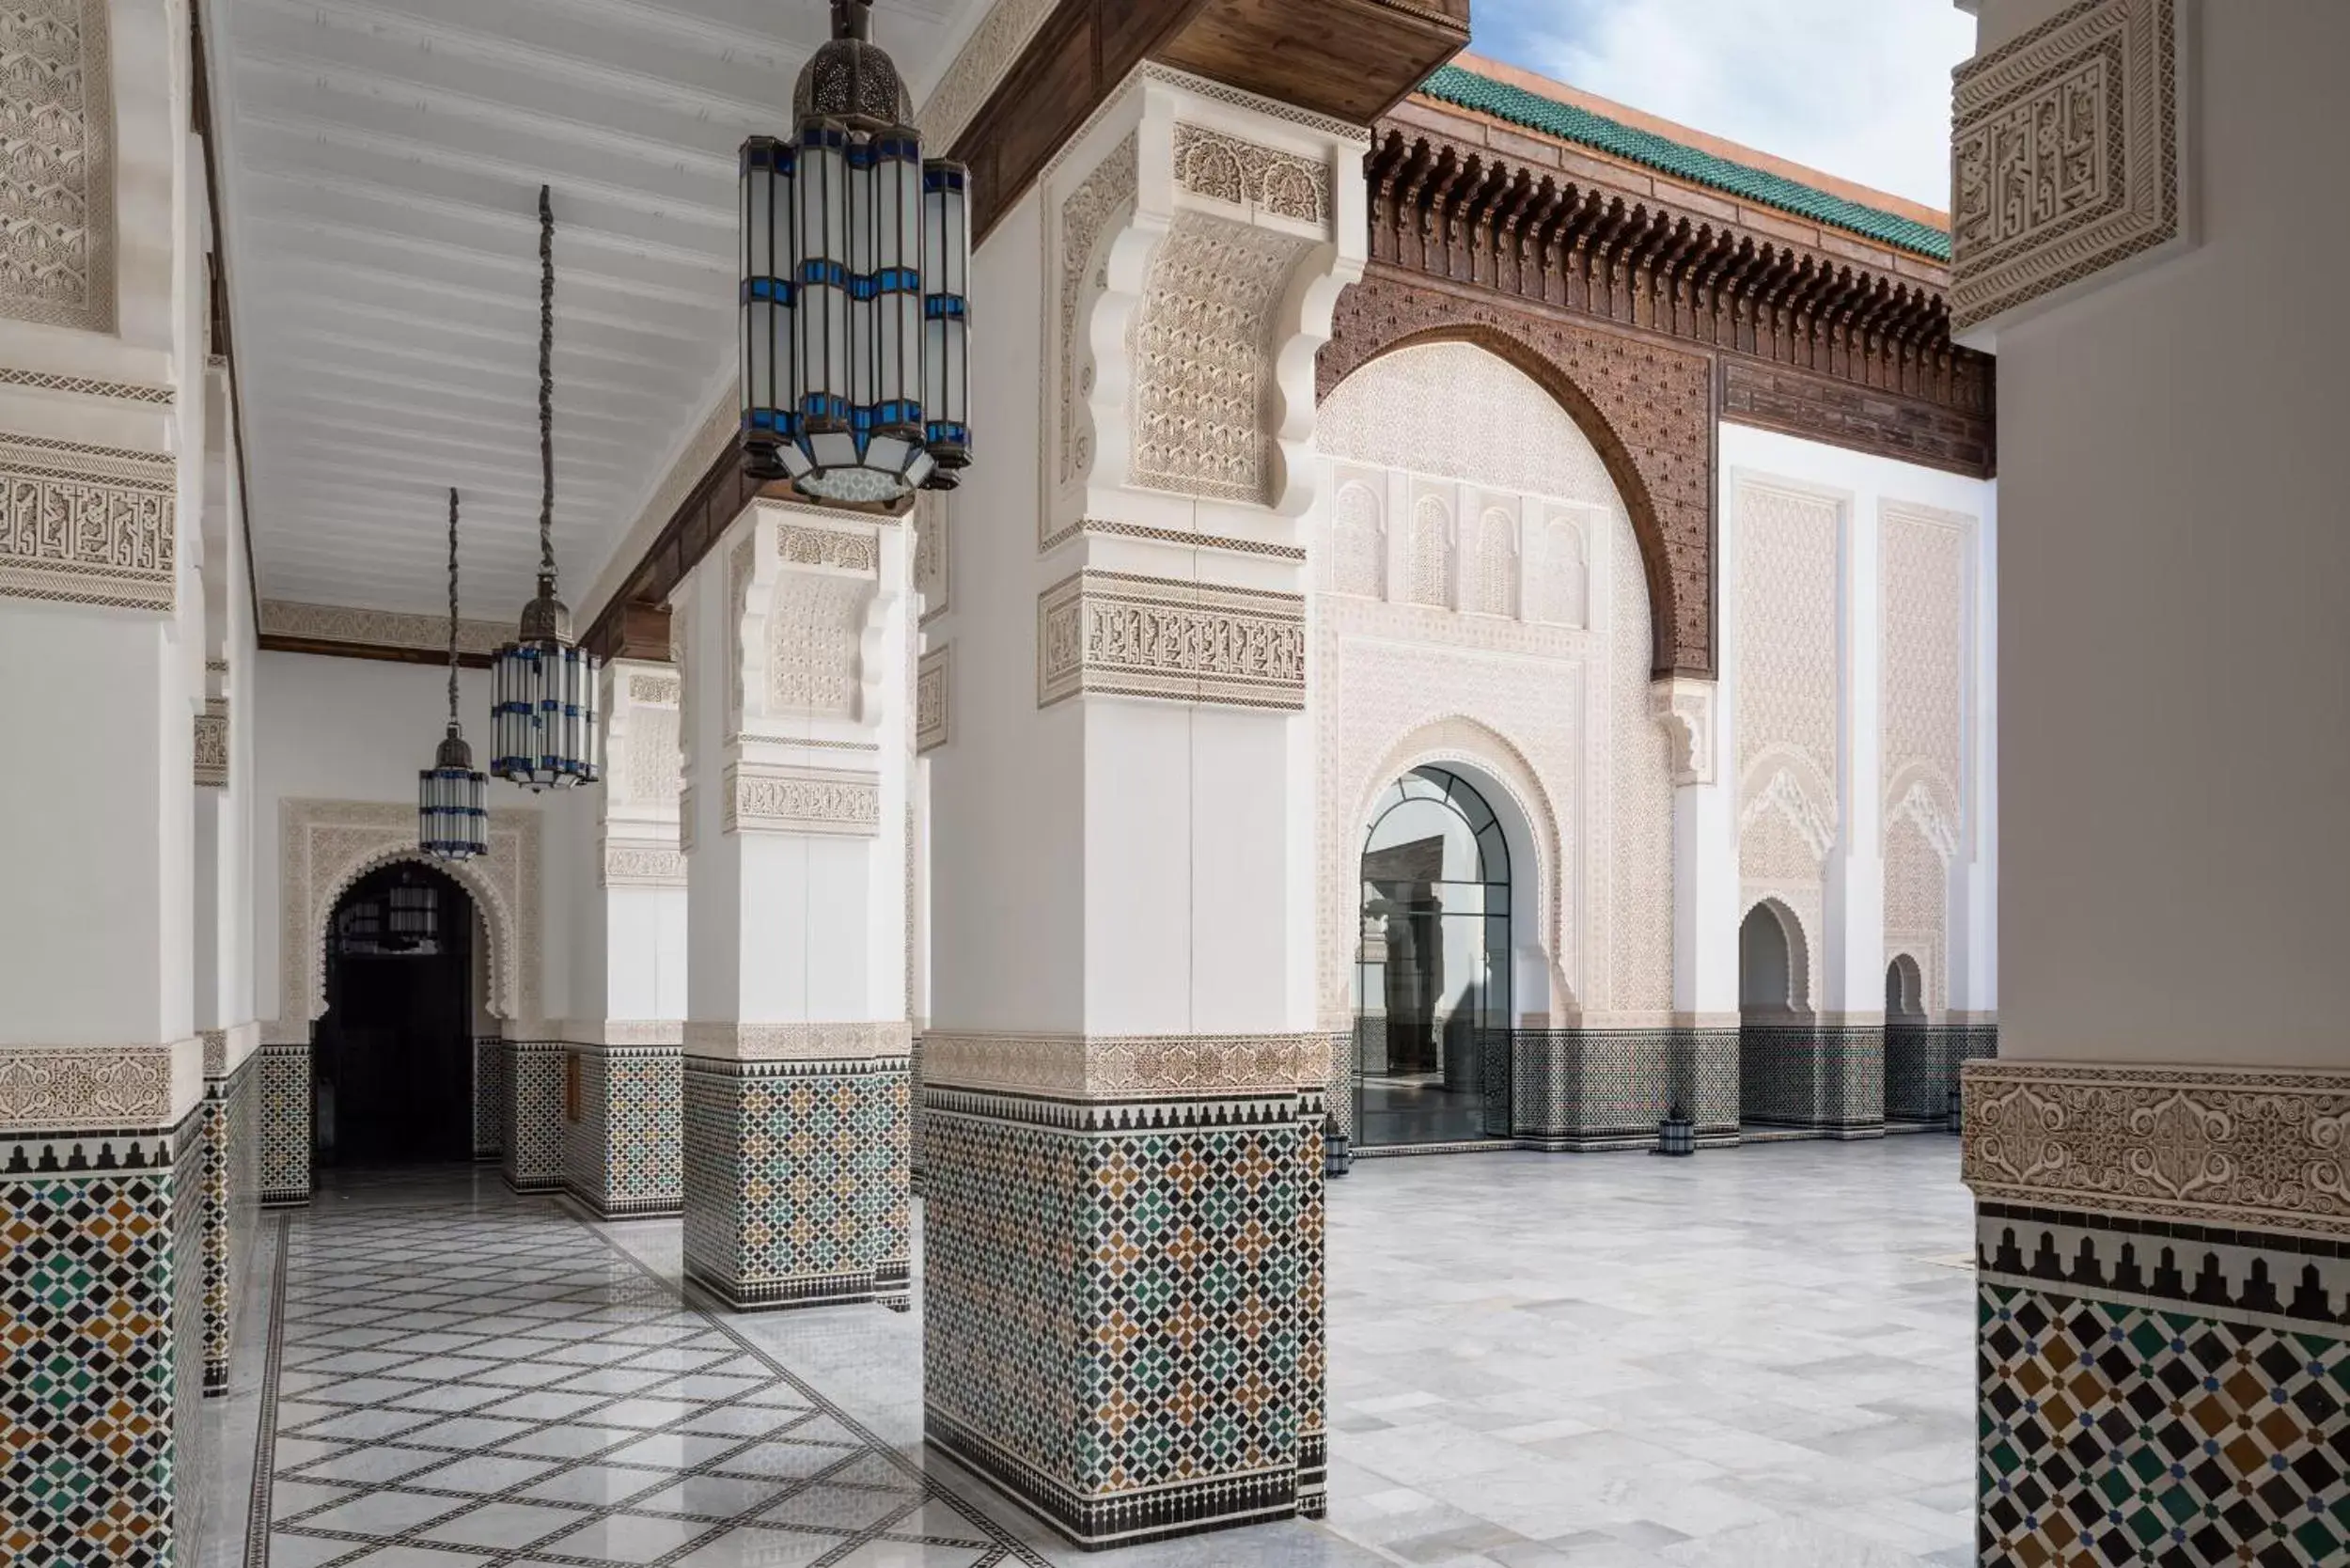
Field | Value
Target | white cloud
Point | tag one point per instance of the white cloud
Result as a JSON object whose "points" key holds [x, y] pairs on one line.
{"points": [[1859, 89]]}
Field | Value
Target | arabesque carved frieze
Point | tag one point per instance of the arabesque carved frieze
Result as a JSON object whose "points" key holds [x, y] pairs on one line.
{"points": [[212, 745], [2239, 1148], [61, 1087], [86, 524], [2066, 155], [1121, 634], [776, 798], [1252, 176], [800, 1042], [1124, 1067], [646, 863], [931, 688]]}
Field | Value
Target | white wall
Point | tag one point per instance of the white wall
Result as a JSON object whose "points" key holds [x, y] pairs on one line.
{"points": [[332, 728], [2177, 746], [1862, 486]]}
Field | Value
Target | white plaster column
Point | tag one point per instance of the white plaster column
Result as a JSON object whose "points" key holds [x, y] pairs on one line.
{"points": [[1704, 1057], [624, 1024], [102, 463], [794, 641], [1123, 810], [1853, 970]]}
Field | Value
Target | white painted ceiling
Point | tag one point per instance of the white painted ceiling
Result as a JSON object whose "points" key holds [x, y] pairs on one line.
{"points": [[381, 162]]}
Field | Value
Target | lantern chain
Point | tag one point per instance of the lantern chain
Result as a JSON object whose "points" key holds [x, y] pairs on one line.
{"points": [[546, 391], [452, 610]]}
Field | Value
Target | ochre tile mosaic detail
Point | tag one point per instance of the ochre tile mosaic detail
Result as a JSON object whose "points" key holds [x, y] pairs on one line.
{"points": [[230, 1162], [795, 1181], [101, 1296], [531, 1113], [1829, 1080], [284, 1132], [1124, 1305], [625, 1154]]}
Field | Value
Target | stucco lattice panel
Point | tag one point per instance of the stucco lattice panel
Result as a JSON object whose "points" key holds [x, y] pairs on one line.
{"points": [[814, 629], [1926, 558], [101, 1306], [1428, 568], [1201, 346], [56, 165], [1646, 411], [1121, 1320], [1402, 412], [795, 1181], [1639, 829], [1787, 625], [1356, 561], [86, 525], [2065, 156], [652, 768], [284, 1089], [533, 1115]]}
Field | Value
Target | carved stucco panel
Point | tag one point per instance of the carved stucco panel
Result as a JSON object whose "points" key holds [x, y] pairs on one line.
{"points": [[56, 165], [1645, 408], [86, 524], [326, 845]]}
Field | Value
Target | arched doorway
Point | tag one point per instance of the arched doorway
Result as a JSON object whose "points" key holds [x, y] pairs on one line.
{"points": [[1431, 976], [1915, 1076], [392, 1057], [1777, 1054]]}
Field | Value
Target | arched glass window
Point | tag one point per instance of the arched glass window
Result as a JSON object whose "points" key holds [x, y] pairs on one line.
{"points": [[1431, 987]]}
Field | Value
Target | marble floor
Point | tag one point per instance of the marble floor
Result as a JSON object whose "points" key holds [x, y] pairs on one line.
{"points": [[1760, 1357]]}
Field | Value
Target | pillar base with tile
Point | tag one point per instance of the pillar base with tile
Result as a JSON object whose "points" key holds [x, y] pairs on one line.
{"points": [[795, 1166], [284, 1090], [1123, 1291], [531, 1114], [2162, 1313], [623, 1130], [230, 1113]]}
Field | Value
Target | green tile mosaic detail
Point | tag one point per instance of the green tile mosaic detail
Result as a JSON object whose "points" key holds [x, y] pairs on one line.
{"points": [[795, 1181], [2114, 1434], [100, 1297]]}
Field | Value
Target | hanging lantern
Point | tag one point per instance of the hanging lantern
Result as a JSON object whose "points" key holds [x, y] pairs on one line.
{"points": [[855, 259], [453, 823], [543, 724]]}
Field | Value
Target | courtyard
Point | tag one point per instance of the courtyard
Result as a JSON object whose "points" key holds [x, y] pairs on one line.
{"points": [[1760, 1357]]}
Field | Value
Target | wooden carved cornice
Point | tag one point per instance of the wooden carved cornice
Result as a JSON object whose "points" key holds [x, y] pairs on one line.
{"points": [[1804, 339]]}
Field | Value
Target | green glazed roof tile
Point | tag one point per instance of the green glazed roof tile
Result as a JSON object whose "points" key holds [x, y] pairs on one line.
{"points": [[1466, 89]]}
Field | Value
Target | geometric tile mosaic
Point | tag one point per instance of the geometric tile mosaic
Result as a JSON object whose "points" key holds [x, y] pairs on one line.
{"points": [[1608, 1088], [230, 1161], [795, 1181], [1122, 1307], [2115, 1434], [285, 1094], [100, 1323], [488, 1383], [531, 1115], [1828, 1080], [489, 1096], [625, 1154], [1921, 1066]]}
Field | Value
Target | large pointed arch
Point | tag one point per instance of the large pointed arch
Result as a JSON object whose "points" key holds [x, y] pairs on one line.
{"points": [[1646, 407]]}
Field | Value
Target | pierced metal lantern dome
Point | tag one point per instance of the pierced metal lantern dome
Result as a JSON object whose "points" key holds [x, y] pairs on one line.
{"points": [[452, 822], [856, 255], [543, 730]]}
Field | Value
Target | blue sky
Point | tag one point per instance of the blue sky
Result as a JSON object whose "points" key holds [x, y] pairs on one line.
{"points": [[1860, 89]]}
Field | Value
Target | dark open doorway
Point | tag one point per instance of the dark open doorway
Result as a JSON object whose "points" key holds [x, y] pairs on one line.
{"points": [[393, 1057]]}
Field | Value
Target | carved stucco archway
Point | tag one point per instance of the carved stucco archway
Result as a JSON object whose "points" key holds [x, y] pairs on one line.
{"points": [[327, 845], [1647, 408], [1802, 952], [1493, 762]]}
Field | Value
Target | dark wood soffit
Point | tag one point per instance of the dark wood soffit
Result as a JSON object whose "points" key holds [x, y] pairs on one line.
{"points": [[273, 643], [1350, 59]]}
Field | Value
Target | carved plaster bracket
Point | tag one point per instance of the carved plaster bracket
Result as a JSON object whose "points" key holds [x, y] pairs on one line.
{"points": [[1196, 244], [1684, 706]]}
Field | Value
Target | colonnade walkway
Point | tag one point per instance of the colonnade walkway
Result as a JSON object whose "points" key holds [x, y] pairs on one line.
{"points": [[1755, 1357]]}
